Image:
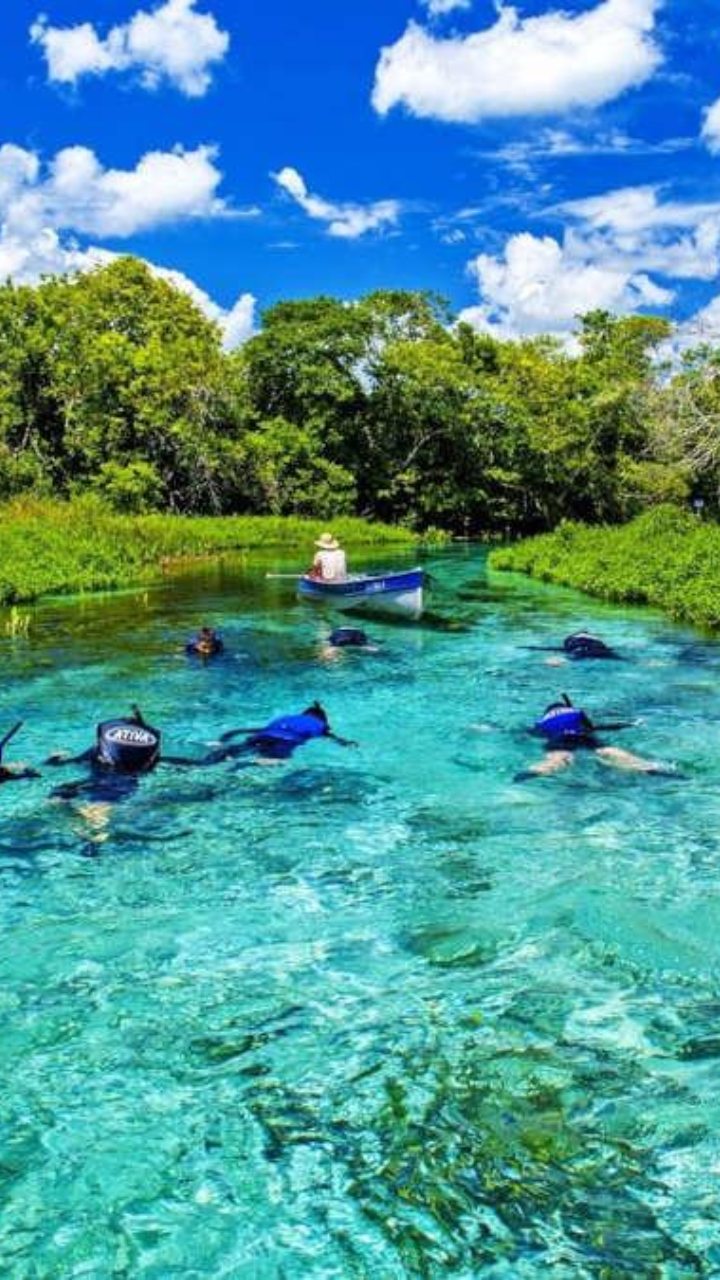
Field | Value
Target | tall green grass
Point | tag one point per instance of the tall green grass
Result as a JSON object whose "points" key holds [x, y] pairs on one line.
{"points": [[666, 558], [53, 547]]}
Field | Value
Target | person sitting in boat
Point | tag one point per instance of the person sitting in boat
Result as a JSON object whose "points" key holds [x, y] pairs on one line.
{"points": [[329, 564], [8, 773], [566, 728], [278, 739], [206, 644]]}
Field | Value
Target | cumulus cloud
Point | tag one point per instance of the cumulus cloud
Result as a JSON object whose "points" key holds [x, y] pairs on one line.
{"points": [[711, 127], [531, 66], [614, 249], [347, 221], [42, 212], [172, 44], [540, 286], [77, 193]]}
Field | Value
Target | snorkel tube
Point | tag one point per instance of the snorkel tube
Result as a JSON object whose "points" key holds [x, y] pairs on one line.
{"points": [[10, 734]]}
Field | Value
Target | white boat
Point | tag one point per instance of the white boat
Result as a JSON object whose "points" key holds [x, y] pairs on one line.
{"points": [[400, 594]]}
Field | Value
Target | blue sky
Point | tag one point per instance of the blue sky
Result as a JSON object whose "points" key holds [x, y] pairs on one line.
{"points": [[527, 162]]}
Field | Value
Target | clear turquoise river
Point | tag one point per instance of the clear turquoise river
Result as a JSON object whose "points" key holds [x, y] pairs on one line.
{"points": [[372, 1013]]}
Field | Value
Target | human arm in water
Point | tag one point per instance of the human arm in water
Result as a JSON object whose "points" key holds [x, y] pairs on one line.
{"points": [[9, 774], [342, 742]]}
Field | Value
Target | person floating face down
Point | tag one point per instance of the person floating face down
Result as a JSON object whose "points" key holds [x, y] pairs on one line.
{"points": [[343, 638], [279, 738], [329, 563], [8, 773], [566, 728], [124, 749], [206, 644], [583, 645], [578, 647]]}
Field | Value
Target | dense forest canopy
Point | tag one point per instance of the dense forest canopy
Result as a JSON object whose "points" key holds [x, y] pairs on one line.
{"points": [[113, 382]]}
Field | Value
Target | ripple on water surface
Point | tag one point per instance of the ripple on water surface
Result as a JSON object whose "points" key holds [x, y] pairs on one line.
{"points": [[373, 1013]]}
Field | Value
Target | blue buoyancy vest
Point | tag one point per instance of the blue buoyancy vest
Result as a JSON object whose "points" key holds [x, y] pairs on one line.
{"points": [[561, 723], [293, 730]]}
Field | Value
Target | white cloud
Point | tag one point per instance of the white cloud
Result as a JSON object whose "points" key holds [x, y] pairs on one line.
{"points": [[76, 193], [522, 155], [347, 221], [541, 286], [530, 66], [172, 43], [614, 248], [711, 127], [41, 214], [632, 225], [436, 8]]}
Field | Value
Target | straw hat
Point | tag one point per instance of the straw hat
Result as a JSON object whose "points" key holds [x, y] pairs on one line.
{"points": [[326, 542]]}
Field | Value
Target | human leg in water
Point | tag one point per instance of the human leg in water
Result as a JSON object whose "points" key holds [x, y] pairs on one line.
{"points": [[554, 761], [618, 758]]}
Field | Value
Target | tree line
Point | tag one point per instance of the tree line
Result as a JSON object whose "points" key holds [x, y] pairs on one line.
{"points": [[114, 383]]}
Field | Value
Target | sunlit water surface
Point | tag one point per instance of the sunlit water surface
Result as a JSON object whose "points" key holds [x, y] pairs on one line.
{"points": [[376, 1013]]}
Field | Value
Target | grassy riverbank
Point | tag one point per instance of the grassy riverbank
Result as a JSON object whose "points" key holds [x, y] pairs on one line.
{"points": [[665, 558], [53, 547]]}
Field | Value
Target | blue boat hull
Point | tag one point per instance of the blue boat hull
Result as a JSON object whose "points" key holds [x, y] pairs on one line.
{"points": [[400, 594]]}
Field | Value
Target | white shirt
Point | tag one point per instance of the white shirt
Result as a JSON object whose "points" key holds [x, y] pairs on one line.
{"points": [[332, 565]]}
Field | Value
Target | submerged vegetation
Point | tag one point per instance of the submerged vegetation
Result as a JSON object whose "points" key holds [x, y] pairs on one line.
{"points": [[56, 547], [667, 558]]}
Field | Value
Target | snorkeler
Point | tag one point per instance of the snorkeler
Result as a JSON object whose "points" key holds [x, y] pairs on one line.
{"points": [[8, 774], [345, 637], [578, 646], [278, 739], [584, 645], [567, 728], [206, 644], [124, 748]]}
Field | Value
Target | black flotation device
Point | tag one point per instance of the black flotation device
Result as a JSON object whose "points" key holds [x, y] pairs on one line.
{"points": [[582, 645], [343, 636], [124, 745]]}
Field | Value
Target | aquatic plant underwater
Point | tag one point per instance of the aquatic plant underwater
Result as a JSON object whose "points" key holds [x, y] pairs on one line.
{"points": [[367, 1013]]}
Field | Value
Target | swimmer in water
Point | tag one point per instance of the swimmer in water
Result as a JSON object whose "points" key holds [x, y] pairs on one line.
{"points": [[124, 750], [567, 729], [280, 738], [8, 773], [206, 644], [579, 646], [347, 638]]}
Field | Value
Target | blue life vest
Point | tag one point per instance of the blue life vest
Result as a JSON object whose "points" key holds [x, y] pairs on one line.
{"points": [[290, 731], [561, 723]]}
